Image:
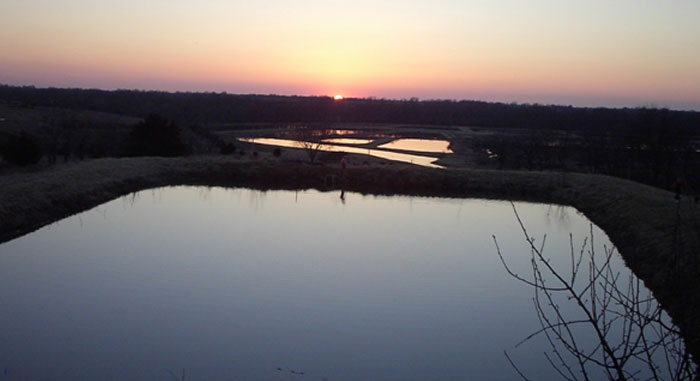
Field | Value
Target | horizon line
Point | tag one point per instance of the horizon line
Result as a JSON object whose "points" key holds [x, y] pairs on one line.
{"points": [[350, 97]]}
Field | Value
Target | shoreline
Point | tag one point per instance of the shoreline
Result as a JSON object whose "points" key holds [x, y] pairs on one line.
{"points": [[641, 221]]}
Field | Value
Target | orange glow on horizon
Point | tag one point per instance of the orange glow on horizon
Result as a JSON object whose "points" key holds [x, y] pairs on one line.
{"points": [[503, 51]]}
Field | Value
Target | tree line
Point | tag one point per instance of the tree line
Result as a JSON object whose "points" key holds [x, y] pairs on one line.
{"points": [[153, 136], [201, 108], [650, 149]]}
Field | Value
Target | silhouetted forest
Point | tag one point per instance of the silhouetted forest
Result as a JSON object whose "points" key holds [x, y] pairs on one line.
{"points": [[650, 148], [198, 108], [21, 150]]}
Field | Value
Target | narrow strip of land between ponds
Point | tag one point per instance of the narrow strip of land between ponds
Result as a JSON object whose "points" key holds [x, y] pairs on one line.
{"points": [[659, 244]]}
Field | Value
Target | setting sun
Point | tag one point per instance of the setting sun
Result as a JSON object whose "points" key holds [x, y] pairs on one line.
{"points": [[338, 97]]}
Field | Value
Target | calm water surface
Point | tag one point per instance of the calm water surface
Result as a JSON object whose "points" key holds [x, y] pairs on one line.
{"points": [[348, 141], [419, 145], [425, 161], [243, 284]]}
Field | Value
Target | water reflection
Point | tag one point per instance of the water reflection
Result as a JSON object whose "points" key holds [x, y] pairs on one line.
{"points": [[558, 215], [419, 145], [241, 284], [354, 141], [425, 161]]}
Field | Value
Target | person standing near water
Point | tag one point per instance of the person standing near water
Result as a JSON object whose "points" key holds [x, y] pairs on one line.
{"points": [[343, 164]]}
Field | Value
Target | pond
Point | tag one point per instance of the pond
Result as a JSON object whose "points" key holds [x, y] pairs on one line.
{"points": [[425, 161], [224, 283]]}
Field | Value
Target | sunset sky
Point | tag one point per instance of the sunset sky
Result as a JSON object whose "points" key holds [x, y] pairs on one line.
{"points": [[586, 53]]}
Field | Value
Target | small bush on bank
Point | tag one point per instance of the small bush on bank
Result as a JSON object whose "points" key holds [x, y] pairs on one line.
{"points": [[22, 150], [155, 136], [228, 149]]}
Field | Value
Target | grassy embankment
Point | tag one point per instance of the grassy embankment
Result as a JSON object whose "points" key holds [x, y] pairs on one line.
{"points": [[640, 220]]}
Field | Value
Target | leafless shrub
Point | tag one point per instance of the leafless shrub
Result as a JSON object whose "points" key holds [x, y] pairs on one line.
{"points": [[309, 139], [635, 338]]}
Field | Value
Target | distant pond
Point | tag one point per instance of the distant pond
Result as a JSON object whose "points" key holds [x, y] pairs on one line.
{"points": [[222, 283], [422, 160]]}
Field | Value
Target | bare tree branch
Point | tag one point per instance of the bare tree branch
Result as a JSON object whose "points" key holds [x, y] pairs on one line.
{"points": [[635, 339]]}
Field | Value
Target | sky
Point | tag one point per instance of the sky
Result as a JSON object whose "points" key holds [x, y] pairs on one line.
{"points": [[584, 53]]}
